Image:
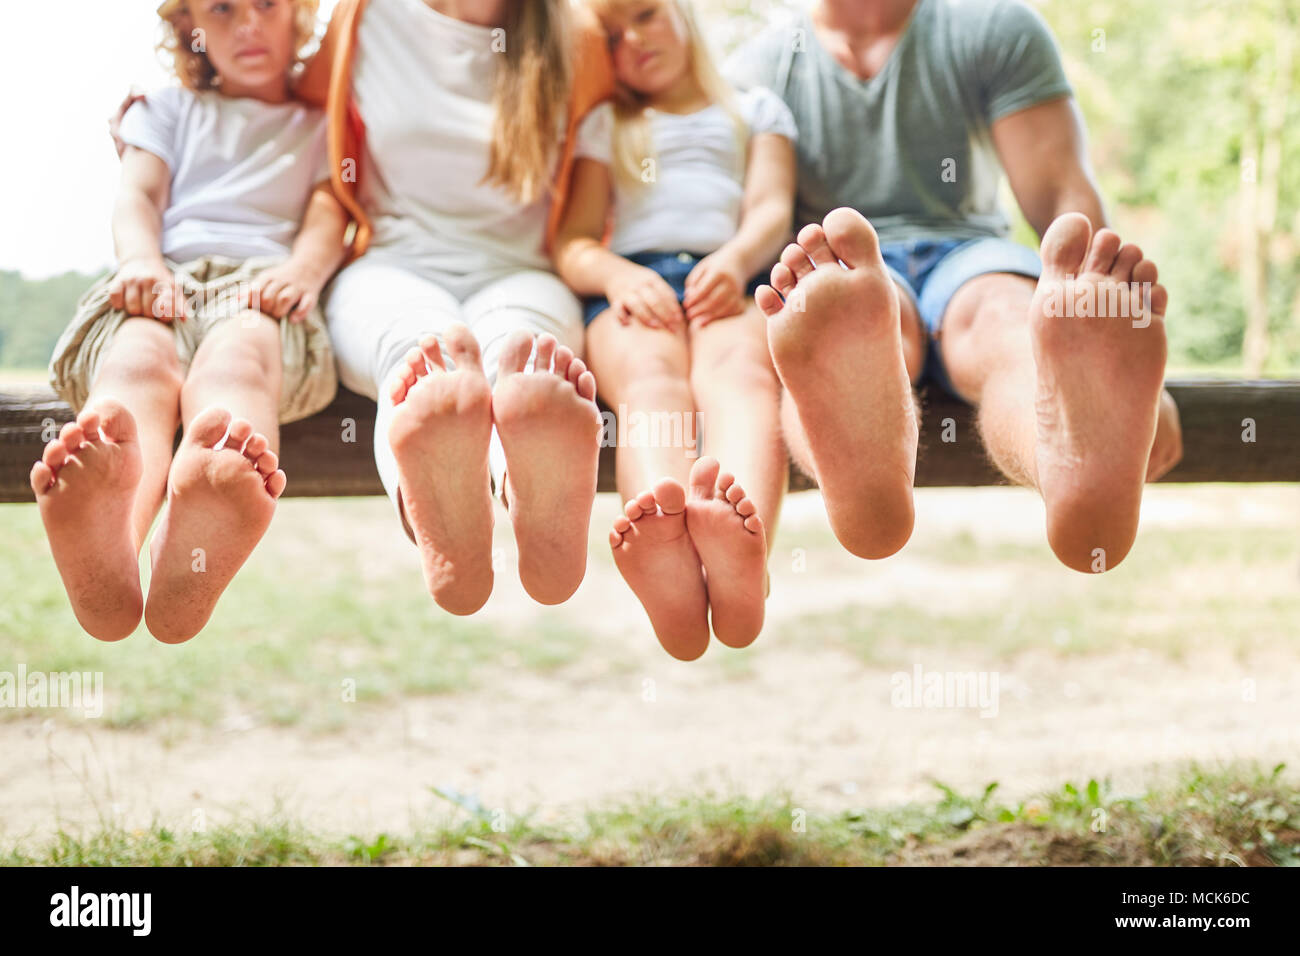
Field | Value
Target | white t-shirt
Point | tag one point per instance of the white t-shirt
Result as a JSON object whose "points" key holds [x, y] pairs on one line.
{"points": [[242, 170], [693, 204], [423, 83]]}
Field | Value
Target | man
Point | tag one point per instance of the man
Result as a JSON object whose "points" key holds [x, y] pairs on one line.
{"points": [[908, 110]]}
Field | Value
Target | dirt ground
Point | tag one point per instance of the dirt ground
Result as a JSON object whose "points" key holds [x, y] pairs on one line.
{"points": [[815, 722]]}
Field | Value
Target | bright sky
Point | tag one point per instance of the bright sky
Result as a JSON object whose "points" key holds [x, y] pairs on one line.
{"points": [[64, 68]]}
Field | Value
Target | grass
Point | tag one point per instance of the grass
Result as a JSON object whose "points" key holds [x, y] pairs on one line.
{"points": [[1227, 817]]}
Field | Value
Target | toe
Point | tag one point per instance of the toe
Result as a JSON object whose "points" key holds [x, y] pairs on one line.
{"points": [[851, 238], [72, 437], [615, 539], [796, 260], [515, 352], [545, 353], [782, 279], [414, 365], [267, 463], [55, 454], [1145, 272], [587, 386], [1159, 300], [89, 422], [1129, 256], [115, 422], [735, 494], [745, 507], [1065, 244], [622, 525], [255, 447], [463, 347], [276, 483], [725, 481], [670, 496], [41, 478], [563, 362], [240, 432], [1102, 253], [767, 300], [432, 352], [754, 524], [208, 427], [812, 238], [704, 477]]}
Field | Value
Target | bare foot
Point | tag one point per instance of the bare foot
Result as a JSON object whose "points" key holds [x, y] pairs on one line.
{"points": [[655, 555], [220, 498], [732, 545], [838, 348], [1099, 347], [85, 486], [441, 428], [550, 429]]}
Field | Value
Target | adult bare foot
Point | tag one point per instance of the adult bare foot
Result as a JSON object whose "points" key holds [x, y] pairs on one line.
{"points": [[442, 424], [732, 544], [85, 485], [1097, 324], [654, 553], [550, 430], [221, 494], [838, 349]]}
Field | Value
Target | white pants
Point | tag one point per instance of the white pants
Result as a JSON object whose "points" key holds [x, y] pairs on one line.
{"points": [[378, 311]]}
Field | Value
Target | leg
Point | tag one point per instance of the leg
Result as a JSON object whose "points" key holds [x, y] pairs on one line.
{"points": [[225, 481], [547, 423], [732, 526], [433, 422], [643, 374], [1068, 380], [99, 484], [838, 346]]}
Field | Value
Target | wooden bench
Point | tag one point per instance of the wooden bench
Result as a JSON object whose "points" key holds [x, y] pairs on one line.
{"points": [[330, 453]]}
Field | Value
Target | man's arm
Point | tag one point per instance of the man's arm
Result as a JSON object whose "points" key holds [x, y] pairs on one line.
{"points": [[1044, 151]]}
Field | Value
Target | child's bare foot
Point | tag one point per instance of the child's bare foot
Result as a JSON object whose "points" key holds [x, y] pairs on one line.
{"points": [[219, 504], [550, 430], [732, 545], [654, 553], [442, 424], [1100, 352], [838, 348], [85, 486]]}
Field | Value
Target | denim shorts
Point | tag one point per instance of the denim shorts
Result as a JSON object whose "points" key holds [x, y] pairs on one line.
{"points": [[673, 266], [932, 271]]}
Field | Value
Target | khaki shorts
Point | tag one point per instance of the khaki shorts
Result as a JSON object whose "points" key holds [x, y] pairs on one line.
{"points": [[213, 285]]}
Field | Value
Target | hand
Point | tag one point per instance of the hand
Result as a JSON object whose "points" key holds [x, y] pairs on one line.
{"points": [[1167, 450], [145, 286], [641, 294], [115, 121], [715, 289], [288, 290]]}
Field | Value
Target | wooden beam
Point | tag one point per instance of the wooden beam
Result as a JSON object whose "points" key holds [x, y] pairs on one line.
{"points": [[330, 454]]}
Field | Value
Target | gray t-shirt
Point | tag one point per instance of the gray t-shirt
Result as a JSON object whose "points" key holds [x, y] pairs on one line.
{"points": [[909, 148]]}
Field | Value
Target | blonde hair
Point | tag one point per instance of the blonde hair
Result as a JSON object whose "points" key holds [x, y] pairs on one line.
{"points": [[632, 143], [530, 100], [194, 69]]}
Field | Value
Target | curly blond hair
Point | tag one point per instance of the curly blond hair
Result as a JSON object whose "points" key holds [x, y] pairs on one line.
{"points": [[195, 70]]}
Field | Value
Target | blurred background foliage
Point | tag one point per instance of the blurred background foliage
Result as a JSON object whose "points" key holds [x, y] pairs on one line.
{"points": [[1193, 111]]}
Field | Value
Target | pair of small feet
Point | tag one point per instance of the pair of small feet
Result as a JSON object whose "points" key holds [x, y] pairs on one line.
{"points": [[834, 331], [692, 556], [222, 489], [549, 427]]}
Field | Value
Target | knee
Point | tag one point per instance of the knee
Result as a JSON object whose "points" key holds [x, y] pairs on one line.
{"points": [[742, 370], [243, 361], [992, 308], [144, 362], [656, 380]]}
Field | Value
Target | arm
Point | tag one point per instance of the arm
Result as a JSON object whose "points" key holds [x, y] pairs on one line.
{"points": [[715, 288], [1044, 151], [143, 286], [589, 268], [292, 288]]}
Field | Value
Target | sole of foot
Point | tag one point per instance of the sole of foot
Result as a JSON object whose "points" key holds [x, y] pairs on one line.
{"points": [[550, 430], [441, 428], [85, 486], [837, 345], [732, 544], [1097, 325], [654, 553], [221, 495]]}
